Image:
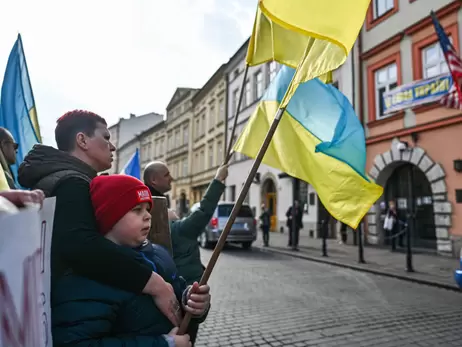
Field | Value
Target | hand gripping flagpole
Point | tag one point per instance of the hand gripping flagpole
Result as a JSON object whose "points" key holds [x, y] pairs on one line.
{"points": [[237, 206]]}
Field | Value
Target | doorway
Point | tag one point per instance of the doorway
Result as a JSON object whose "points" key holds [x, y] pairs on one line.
{"points": [[397, 188]]}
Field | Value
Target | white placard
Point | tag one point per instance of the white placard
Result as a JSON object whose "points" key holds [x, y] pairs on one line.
{"points": [[25, 240]]}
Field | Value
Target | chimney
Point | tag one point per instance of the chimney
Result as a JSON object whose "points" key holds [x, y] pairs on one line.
{"points": [[132, 115]]}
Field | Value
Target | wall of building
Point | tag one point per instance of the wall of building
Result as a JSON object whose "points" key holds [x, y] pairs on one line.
{"points": [[401, 38]]}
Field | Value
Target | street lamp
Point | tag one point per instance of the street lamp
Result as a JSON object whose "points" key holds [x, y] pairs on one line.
{"points": [[404, 147]]}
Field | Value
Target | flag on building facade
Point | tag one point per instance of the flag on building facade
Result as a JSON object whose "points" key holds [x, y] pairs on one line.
{"points": [[132, 168], [453, 98], [315, 35], [319, 140], [17, 106]]}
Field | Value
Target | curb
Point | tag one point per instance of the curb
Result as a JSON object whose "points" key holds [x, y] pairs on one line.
{"points": [[360, 268]]}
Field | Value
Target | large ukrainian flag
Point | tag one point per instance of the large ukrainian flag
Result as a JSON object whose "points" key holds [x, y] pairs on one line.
{"points": [[17, 106], [319, 140]]}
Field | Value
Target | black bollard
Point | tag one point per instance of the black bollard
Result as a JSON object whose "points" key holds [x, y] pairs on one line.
{"points": [[360, 244], [410, 218], [324, 238]]}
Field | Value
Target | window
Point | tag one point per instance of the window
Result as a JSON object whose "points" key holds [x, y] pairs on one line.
{"points": [[203, 125], [232, 193], [221, 107], [259, 85], [198, 127], [386, 79], [312, 199], [303, 196], [247, 94], [382, 6], [272, 71], [185, 135], [219, 151], [235, 100], [177, 138], [201, 161], [196, 163], [433, 61], [185, 167], [212, 117], [210, 156]]}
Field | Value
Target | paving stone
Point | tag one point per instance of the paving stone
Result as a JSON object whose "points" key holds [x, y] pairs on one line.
{"points": [[265, 299]]}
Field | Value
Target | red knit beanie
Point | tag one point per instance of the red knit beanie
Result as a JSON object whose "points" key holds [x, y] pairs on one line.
{"points": [[113, 196]]}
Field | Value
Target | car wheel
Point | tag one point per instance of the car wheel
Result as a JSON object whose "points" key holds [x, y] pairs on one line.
{"points": [[246, 245], [203, 241]]}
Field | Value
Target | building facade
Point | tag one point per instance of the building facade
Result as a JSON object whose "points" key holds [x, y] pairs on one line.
{"points": [[125, 130], [179, 147], [398, 45], [208, 133]]}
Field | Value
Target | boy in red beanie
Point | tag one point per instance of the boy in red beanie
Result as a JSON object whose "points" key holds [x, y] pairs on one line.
{"points": [[86, 312]]}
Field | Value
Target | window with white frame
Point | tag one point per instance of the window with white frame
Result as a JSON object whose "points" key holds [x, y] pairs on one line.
{"points": [[177, 138], [185, 167], [221, 108], [273, 69], [198, 127], [203, 124], [382, 6], [386, 79], [259, 85], [247, 94], [185, 134], [235, 100], [219, 151], [433, 61], [210, 156], [212, 117]]}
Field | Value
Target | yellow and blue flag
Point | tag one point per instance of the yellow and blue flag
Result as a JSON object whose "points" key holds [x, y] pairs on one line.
{"points": [[319, 140], [17, 106], [315, 35]]}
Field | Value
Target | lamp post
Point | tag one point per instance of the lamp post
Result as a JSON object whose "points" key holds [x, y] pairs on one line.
{"points": [[403, 147]]}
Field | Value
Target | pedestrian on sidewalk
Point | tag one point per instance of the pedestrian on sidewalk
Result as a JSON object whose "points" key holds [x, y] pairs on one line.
{"points": [[294, 235], [265, 223], [391, 225]]}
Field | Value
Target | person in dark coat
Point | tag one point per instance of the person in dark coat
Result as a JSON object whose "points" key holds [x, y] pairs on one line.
{"points": [[84, 149], [265, 223], [294, 235], [185, 231], [88, 313]]}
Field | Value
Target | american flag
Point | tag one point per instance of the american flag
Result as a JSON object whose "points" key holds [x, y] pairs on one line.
{"points": [[453, 98]]}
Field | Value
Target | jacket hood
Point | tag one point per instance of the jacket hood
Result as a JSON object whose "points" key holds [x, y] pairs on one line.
{"points": [[43, 160]]}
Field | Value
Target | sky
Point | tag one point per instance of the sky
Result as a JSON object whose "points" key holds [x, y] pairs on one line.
{"points": [[116, 57]]}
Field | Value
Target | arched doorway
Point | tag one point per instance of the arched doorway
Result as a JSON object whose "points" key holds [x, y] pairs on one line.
{"points": [[397, 188], [269, 198], [428, 174]]}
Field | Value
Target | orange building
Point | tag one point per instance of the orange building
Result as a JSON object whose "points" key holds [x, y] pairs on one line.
{"points": [[398, 45]]}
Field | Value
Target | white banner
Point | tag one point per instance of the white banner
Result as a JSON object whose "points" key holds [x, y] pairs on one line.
{"points": [[25, 240]]}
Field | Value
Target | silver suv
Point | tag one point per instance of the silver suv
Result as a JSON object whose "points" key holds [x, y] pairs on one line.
{"points": [[243, 231]]}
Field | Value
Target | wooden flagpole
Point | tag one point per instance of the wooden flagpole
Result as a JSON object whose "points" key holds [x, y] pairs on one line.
{"points": [[237, 206]]}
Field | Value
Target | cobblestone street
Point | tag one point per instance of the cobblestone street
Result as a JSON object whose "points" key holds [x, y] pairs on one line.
{"points": [[264, 299]]}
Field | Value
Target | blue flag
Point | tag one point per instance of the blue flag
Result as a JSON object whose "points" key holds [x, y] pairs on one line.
{"points": [[132, 168], [17, 106]]}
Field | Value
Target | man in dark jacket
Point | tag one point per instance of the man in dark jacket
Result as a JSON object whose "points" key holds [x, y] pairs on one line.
{"points": [[185, 232], [84, 149]]}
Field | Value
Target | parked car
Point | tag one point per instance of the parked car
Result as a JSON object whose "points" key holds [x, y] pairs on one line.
{"points": [[243, 231]]}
